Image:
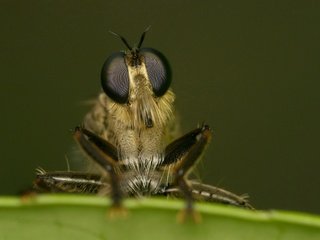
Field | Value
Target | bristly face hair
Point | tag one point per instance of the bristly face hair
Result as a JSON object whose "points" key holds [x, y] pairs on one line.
{"points": [[125, 132]]}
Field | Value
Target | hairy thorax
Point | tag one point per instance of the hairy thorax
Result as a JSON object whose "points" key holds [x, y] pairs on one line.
{"points": [[137, 144]]}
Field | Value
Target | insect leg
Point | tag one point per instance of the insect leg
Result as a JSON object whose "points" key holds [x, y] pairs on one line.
{"points": [[176, 150], [208, 193], [88, 143], [71, 182], [101, 143], [214, 194], [183, 153]]}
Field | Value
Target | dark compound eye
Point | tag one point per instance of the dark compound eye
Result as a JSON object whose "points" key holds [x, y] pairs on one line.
{"points": [[158, 69], [115, 78]]}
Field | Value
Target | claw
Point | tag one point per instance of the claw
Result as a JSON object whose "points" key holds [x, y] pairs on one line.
{"points": [[117, 212], [186, 214]]}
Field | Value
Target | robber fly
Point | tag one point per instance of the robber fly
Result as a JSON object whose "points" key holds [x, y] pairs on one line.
{"points": [[125, 133]]}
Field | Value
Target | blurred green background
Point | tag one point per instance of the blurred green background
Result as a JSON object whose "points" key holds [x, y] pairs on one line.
{"points": [[250, 69]]}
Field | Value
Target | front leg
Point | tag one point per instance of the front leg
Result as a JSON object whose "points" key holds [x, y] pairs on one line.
{"points": [[95, 148], [183, 155]]}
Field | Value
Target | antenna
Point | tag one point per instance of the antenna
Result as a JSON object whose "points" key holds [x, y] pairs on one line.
{"points": [[122, 39], [143, 36]]}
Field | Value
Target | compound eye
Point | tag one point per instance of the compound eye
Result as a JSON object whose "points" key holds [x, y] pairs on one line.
{"points": [[158, 69], [115, 78]]}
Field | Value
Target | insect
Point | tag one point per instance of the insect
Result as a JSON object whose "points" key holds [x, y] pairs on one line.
{"points": [[125, 132]]}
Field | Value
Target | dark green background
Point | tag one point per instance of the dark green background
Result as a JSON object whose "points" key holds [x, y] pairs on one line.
{"points": [[249, 69]]}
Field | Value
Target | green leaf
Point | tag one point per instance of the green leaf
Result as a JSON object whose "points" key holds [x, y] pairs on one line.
{"points": [[85, 217]]}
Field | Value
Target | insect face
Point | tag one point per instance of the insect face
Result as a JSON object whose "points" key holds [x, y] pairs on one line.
{"points": [[137, 81]]}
